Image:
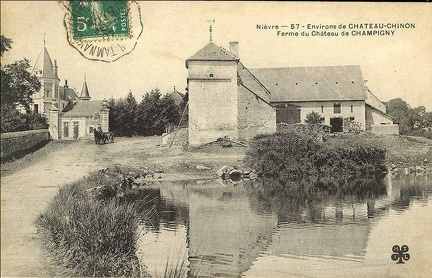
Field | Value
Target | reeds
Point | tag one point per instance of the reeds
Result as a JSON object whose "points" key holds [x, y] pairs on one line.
{"points": [[89, 237]]}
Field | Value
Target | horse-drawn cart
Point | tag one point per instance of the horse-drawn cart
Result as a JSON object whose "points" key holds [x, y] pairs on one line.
{"points": [[103, 137]]}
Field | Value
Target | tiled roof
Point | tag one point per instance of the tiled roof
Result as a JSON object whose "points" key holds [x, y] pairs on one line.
{"points": [[85, 91], [248, 80], [44, 67], [177, 96], [313, 83], [212, 52], [47, 65], [83, 108], [70, 93]]}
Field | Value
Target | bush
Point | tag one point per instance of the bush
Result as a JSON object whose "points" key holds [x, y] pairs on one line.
{"points": [[313, 118], [89, 237], [15, 121], [293, 156], [427, 133]]}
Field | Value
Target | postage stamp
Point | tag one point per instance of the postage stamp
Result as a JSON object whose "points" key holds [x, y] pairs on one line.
{"points": [[95, 19], [103, 30]]}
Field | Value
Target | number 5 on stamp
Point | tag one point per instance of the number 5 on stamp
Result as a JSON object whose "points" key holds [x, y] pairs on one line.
{"points": [[94, 19]]}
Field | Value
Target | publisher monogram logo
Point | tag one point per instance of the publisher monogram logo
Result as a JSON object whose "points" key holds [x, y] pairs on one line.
{"points": [[400, 254]]}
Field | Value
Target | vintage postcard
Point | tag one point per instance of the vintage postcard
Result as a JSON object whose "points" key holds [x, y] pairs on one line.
{"points": [[216, 139]]}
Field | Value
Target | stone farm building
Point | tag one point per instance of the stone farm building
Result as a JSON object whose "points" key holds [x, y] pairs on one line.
{"points": [[70, 116], [228, 99], [337, 93], [225, 98]]}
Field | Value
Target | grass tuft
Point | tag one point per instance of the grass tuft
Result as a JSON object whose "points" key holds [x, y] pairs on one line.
{"points": [[89, 237]]}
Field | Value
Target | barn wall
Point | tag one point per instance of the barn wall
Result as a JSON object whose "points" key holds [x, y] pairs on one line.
{"points": [[358, 110], [255, 116]]}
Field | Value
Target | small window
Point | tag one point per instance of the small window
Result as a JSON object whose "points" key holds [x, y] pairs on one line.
{"points": [[90, 129], [322, 108], [211, 74], [337, 108], [352, 119], [352, 108], [322, 119], [36, 108]]}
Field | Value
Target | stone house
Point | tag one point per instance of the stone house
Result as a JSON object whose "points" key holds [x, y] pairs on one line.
{"points": [[225, 98], [69, 116]]}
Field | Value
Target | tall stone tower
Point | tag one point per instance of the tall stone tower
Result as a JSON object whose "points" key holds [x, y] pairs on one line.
{"points": [[213, 95], [47, 72]]}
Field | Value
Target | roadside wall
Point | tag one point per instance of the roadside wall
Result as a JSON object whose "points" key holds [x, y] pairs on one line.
{"points": [[19, 143], [385, 129]]}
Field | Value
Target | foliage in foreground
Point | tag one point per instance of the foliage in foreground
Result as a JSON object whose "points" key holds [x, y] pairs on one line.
{"points": [[89, 237], [293, 156]]}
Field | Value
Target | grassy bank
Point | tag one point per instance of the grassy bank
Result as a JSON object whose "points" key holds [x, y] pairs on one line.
{"points": [[295, 156], [90, 234]]}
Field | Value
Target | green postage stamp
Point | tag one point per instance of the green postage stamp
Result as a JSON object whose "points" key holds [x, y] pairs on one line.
{"points": [[103, 30], [95, 19]]}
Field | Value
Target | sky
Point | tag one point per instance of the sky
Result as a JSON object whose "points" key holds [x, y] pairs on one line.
{"points": [[395, 66]]}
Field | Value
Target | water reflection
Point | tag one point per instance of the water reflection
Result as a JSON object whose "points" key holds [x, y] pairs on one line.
{"points": [[225, 231]]}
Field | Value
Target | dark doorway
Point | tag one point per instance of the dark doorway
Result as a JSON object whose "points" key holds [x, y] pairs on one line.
{"points": [[75, 130], [66, 129], [336, 124]]}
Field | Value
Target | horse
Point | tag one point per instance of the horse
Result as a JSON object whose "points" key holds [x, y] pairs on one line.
{"points": [[103, 137], [99, 137], [109, 136]]}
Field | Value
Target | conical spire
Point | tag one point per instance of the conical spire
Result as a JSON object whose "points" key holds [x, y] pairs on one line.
{"points": [[85, 95], [47, 67]]}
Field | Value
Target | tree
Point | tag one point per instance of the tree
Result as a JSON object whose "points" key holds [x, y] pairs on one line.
{"points": [[412, 121], [149, 121], [150, 117], [129, 118], [122, 116], [170, 112], [313, 118], [18, 84], [400, 110], [6, 44]]}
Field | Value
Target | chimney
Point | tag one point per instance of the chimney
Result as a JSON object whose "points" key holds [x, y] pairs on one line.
{"points": [[234, 49], [63, 96], [55, 69]]}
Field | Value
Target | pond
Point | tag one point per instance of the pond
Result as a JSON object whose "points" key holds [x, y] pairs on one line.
{"points": [[217, 229]]}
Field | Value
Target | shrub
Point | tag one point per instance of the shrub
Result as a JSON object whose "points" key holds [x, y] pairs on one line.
{"points": [[15, 121], [293, 156], [313, 118]]}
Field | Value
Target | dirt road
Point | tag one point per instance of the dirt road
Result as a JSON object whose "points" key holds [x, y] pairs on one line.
{"points": [[24, 195], [27, 191]]}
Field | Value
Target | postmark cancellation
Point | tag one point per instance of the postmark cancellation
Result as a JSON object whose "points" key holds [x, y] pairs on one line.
{"points": [[103, 30]]}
